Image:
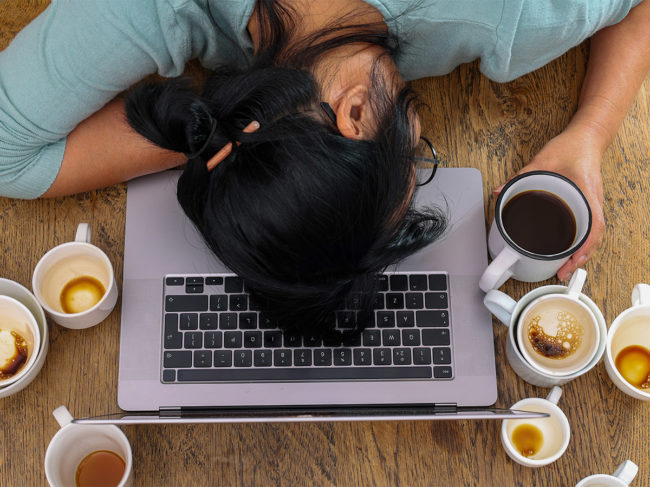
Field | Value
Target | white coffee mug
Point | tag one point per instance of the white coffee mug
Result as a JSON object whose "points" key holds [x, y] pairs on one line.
{"points": [[631, 327], [74, 442], [20, 340], [622, 477], [554, 429], [511, 260], [508, 311], [69, 261]]}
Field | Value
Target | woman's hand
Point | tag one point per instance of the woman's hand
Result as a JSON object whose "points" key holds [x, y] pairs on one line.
{"points": [[575, 155]]}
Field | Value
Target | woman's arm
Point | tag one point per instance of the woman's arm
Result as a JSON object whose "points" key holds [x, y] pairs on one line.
{"points": [[618, 64], [104, 150]]}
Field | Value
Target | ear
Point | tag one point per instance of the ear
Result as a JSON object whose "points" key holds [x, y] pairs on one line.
{"points": [[353, 114]]}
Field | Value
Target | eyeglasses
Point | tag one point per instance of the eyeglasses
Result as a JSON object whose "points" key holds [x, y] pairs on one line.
{"points": [[426, 167]]}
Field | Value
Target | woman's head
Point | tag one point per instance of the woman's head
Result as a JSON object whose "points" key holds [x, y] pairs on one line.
{"points": [[304, 214]]}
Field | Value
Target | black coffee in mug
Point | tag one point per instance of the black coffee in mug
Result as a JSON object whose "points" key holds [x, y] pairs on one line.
{"points": [[539, 222]]}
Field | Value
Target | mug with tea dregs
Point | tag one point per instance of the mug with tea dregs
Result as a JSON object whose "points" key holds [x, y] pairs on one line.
{"points": [[84, 455], [627, 355], [75, 283], [539, 441], [622, 477]]}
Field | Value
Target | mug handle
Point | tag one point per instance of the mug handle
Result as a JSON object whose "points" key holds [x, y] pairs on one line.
{"points": [[577, 282], [554, 395], [640, 295], [62, 416], [626, 471], [499, 270], [500, 305], [83, 233]]}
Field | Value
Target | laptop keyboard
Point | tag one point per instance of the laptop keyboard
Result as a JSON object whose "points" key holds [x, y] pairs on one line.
{"points": [[214, 332]]}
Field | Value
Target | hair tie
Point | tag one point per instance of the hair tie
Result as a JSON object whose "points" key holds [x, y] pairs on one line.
{"points": [[213, 129]]}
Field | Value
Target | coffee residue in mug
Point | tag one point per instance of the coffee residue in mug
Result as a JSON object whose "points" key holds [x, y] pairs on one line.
{"points": [[81, 293], [527, 439], [567, 340], [13, 353], [633, 362]]}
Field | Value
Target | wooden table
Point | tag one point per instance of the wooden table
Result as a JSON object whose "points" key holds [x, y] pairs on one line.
{"points": [[472, 122]]}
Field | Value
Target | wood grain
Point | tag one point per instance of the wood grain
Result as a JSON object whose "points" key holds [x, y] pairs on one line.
{"points": [[473, 122]]}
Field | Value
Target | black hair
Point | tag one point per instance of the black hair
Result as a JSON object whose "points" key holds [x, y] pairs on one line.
{"points": [[305, 216]]}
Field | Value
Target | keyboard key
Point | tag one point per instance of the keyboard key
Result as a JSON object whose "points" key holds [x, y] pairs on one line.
{"points": [[437, 282], [247, 321], [212, 339], [214, 281], [292, 339], [243, 358], [263, 358], [232, 339], [169, 375], [442, 372], [346, 319], [301, 374], [394, 301], [173, 338], [441, 355], [411, 338], [252, 339], [174, 281], [272, 339], [282, 358], [266, 323], [223, 358], [405, 319], [385, 319], [398, 282], [435, 336], [432, 318], [402, 356], [381, 356], [183, 302], [233, 284], [382, 279], [209, 321], [302, 357], [378, 302], [414, 301], [193, 339], [312, 340], [390, 338], [352, 340], [188, 321], [238, 302], [371, 338], [228, 321], [202, 358], [435, 301], [342, 356], [418, 282], [194, 288], [218, 302], [177, 359], [194, 281], [323, 357], [362, 356], [421, 356]]}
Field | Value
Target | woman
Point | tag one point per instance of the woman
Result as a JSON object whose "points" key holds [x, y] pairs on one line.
{"points": [[315, 87]]}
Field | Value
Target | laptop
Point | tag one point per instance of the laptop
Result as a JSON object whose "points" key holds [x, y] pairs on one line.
{"points": [[222, 362]]}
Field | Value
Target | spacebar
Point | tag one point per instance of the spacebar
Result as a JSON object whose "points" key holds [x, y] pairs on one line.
{"points": [[287, 374]]}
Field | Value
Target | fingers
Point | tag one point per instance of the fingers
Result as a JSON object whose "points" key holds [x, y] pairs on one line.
{"points": [[585, 252]]}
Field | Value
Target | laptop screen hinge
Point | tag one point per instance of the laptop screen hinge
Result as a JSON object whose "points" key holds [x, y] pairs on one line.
{"points": [[445, 407], [169, 412]]}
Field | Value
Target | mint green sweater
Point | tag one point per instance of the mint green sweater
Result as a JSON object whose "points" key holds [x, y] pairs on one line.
{"points": [[78, 54]]}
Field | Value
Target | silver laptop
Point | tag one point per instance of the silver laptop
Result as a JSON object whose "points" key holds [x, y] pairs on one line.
{"points": [[177, 365]]}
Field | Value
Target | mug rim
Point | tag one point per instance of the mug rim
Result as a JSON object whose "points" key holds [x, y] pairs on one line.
{"points": [[580, 303], [37, 290], [551, 257], [36, 347], [599, 476], [616, 324], [602, 328]]}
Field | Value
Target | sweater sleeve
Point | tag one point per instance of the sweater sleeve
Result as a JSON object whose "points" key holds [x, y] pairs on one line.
{"points": [[68, 63]]}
